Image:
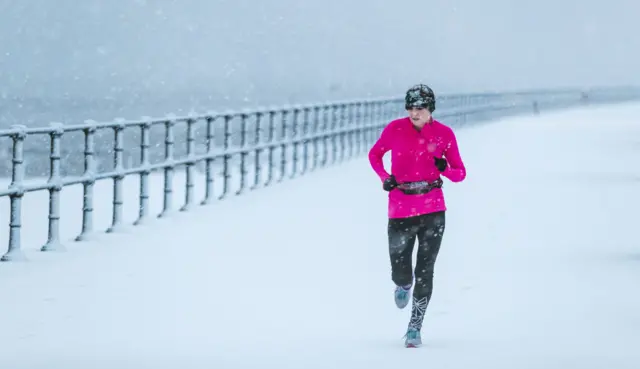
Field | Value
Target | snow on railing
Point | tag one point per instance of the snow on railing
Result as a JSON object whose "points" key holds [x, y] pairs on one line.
{"points": [[261, 142]]}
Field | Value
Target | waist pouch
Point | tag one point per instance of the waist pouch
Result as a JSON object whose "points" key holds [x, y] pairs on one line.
{"points": [[419, 188]]}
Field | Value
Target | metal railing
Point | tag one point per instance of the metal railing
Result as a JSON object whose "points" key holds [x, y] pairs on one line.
{"points": [[256, 147]]}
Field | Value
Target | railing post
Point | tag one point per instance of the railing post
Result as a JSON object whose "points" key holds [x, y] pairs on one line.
{"points": [[14, 252], [270, 139], [293, 139], [314, 130], [257, 168], [342, 125], [305, 141], [143, 211], [55, 183], [325, 135], [243, 153], [376, 110], [360, 122], [334, 136], [208, 194], [365, 123], [368, 122], [226, 157], [89, 181], [352, 129], [191, 148], [168, 170], [118, 168], [283, 145], [368, 112]]}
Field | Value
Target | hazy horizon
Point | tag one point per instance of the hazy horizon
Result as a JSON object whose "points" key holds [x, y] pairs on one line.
{"points": [[212, 52]]}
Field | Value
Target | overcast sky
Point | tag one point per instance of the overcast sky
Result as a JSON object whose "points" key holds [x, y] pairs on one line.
{"points": [[279, 49]]}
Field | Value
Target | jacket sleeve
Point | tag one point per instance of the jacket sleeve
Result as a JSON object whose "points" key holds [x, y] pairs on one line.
{"points": [[455, 171], [379, 148]]}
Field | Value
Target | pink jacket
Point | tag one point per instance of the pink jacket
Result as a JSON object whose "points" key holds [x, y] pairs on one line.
{"points": [[412, 159]]}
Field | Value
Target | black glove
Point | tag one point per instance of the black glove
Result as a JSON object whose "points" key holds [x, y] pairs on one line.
{"points": [[441, 163], [390, 183]]}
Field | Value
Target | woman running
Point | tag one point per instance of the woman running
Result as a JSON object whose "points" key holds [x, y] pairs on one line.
{"points": [[422, 150]]}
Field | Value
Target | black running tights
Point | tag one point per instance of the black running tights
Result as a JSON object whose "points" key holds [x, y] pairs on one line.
{"points": [[428, 229]]}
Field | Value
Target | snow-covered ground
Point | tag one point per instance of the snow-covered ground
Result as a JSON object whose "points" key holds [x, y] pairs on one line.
{"points": [[539, 268]]}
